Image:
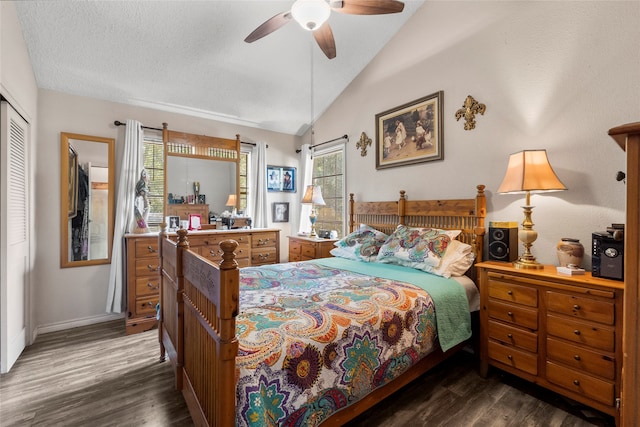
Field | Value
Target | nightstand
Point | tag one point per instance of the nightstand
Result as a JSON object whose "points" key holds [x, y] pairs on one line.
{"points": [[305, 248], [562, 332]]}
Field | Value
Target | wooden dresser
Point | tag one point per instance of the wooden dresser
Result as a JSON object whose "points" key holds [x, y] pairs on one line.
{"points": [[142, 281], [561, 332], [305, 248], [255, 247]]}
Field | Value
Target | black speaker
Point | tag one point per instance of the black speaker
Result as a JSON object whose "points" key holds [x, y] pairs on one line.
{"points": [[503, 243]]}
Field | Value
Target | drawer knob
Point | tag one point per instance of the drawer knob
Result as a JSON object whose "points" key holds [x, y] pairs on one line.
{"points": [[510, 314], [148, 304], [576, 382], [577, 332], [510, 292], [577, 357], [510, 357], [576, 307], [150, 249], [152, 286], [152, 268], [510, 336], [215, 252], [206, 242]]}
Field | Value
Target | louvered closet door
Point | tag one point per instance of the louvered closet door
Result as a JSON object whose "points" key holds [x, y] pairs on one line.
{"points": [[14, 235]]}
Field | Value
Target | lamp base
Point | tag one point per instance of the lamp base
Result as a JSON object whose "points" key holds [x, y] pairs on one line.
{"points": [[527, 264]]}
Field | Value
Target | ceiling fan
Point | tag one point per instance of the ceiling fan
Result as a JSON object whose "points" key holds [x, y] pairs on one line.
{"points": [[312, 15]]}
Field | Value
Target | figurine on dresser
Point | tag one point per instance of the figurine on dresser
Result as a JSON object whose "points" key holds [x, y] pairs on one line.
{"points": [[141, 204]]}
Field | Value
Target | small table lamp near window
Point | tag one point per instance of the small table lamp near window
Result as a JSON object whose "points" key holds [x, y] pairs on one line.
{"points": [[313, 196], [231, 202], [528, 171]]}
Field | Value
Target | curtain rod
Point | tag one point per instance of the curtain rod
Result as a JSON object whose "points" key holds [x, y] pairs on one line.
{"points": [[345, 136], [119, 123]]}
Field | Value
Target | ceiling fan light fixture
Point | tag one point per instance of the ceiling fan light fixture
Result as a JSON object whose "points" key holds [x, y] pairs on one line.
{"points": [[310, 14]]}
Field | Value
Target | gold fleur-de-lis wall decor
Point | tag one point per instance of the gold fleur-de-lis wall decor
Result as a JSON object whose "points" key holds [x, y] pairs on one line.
{"points": [[469, 109], [363, 143]]}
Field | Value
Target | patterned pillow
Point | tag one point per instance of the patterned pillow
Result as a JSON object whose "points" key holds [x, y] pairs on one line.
{"points": [[420, 248], [361, 245]]}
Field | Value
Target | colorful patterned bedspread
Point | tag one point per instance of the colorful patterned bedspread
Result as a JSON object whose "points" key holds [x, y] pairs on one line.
{"points": [[314, 339]]}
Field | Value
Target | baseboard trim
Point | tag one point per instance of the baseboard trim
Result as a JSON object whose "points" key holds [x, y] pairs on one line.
{"points": [[60, 326]]}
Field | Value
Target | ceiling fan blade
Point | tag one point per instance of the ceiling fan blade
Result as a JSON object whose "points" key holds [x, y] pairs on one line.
{"points": [[367, 7], [269, 26], [324, 38]]}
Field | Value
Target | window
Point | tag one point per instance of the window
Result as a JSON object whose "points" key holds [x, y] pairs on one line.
{"points": [[154, 164], [328, 173], [245, 161]]}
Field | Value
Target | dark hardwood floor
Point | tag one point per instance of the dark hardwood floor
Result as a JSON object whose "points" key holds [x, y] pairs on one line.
{"points": [[98, 376]]}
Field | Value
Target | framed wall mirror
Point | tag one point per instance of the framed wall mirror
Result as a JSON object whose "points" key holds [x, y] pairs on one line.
{"points": [[201, 172], [87, 180]]}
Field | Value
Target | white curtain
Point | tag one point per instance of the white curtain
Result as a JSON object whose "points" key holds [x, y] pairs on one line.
{"points": [[305, 178], [131, 166], [258, 182]]}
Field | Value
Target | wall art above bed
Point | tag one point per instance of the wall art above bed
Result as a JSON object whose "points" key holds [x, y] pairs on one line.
{"points": [[410, 133]]}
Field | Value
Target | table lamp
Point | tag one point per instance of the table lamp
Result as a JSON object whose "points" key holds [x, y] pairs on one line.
{"points": [[528, 171], [231, 202], [313, 196]]}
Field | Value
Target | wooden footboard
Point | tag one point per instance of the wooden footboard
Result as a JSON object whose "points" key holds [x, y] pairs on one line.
{"points": [[197, 328]]}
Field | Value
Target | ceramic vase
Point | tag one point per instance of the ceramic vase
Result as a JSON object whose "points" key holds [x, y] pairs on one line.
{"points": [[570, 251]]}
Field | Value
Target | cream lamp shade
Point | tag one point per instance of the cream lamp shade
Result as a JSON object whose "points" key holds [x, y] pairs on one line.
{"points": [[313, 196], [528, 171], [232, 200]]}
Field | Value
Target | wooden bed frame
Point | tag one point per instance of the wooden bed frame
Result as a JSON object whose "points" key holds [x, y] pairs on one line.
{"points": [[200, 301]]}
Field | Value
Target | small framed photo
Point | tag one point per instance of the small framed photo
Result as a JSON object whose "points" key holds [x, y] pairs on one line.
{"points": [[201, 199], [281, 212], [281, 178], [195, 222], [173, 222]]}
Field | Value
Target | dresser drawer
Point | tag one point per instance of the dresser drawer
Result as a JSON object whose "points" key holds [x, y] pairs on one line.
{"points": [[295, 248], [511, 313], [579, 382], [147, 286], [501, 287], [510, 356], [146, 248], [581, 307], [215, 253], [514, 336], [263, 256], [267, 239], [308, 251], [581, 358], [146, 307], [147, 267], [591, 334], [212, 241]]}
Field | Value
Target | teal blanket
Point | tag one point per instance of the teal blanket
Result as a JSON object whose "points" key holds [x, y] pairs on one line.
{"points": [[453, 320]]}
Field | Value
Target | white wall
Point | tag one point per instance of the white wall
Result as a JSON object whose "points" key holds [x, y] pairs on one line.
{"points": [[554, 75], [75, 296]]}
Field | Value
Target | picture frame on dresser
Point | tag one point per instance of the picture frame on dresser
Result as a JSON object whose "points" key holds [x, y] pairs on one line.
{"points": [[195, 222]]}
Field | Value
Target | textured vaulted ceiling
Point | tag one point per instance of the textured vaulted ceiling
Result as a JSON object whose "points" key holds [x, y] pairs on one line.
{"points": [[190, 57]]}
